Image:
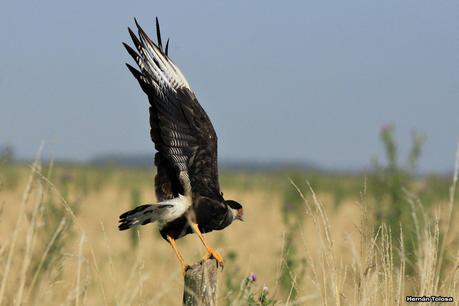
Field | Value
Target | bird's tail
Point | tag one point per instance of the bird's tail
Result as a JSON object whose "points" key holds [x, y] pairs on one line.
{"points": [[140, 215]]}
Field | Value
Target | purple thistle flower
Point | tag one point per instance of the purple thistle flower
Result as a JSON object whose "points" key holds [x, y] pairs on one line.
{"points": [[290, 206], [252, 277]]}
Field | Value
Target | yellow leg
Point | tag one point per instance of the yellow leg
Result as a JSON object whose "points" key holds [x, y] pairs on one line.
{"points": [[183, 266], [210, 251]]}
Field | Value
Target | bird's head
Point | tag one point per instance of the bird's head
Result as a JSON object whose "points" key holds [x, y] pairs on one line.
{"points": [[238, 211]]}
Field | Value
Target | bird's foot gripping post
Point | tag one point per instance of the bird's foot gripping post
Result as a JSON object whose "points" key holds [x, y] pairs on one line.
{"points": [[211, 253], [201, 284]]}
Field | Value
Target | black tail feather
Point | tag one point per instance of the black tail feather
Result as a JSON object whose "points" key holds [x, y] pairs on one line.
{"points": [[131, 218]]}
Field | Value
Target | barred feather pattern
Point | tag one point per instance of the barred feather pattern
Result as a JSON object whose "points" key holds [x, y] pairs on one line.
{"points": [[180, 128], [162, 212]]}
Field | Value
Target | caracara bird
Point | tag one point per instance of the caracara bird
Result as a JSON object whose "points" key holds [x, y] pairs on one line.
{"points": [[186, 182]]}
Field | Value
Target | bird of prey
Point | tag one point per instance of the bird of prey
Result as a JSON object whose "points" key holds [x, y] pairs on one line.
{"points": [[186, 182]]}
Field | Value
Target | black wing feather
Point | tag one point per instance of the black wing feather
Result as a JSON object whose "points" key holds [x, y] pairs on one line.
{"points": [[167, 47], [158, 34], [180, 128]]}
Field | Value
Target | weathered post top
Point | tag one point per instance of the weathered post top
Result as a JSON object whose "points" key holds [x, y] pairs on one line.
{"points": [[201, 284]]}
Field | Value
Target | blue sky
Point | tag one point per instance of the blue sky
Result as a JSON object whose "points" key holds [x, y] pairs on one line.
{"points": [[291, 80]]}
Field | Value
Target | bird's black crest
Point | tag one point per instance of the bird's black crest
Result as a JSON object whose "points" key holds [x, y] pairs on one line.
{"points": [[233, 204]]}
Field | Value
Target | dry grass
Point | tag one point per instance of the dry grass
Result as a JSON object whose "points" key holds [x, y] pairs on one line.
{"points": [[348, 261]]}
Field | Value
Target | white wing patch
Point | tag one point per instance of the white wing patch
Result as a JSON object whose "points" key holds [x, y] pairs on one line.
{"points": [[166, 74]]}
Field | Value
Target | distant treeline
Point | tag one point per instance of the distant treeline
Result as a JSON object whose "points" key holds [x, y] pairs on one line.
{"points": [[147, 160]]}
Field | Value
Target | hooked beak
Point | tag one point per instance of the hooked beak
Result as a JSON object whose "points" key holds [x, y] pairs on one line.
{"points": [[240, 214]]}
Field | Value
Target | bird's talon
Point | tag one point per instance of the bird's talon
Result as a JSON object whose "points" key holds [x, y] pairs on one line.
{"points": [[211, 253]]}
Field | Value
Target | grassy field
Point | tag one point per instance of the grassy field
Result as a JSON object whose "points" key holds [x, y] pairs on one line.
{"points": [[308, 239]]}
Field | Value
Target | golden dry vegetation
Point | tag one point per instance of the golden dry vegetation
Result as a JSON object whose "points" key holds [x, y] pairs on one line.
{"points": [[59, 244]]}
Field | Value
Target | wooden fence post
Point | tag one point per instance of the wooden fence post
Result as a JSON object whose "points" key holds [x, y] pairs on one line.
{"points": [[201, 284]]}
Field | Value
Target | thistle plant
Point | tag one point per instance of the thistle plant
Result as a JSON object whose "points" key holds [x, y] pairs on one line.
{"points": [[391, 182]]}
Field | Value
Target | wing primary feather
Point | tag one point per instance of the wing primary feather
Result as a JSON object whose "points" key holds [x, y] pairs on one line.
{"points": [[136, 73], [143, 36], [158, 34], [152, 51], [158, 69], [165, 70], [144, 82], [151, 47], [134, 55], [135, 40], [167, 47], [136, 23]]}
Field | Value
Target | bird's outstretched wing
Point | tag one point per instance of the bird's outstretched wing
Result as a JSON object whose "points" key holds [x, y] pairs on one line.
{"points": [[181, 130]]}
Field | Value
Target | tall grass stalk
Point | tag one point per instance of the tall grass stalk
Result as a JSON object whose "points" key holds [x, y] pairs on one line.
{"points": [[366, 265], [78, 277], [31, 233], [452, 195], [44, 256], [375, 277], [18, 226]]}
